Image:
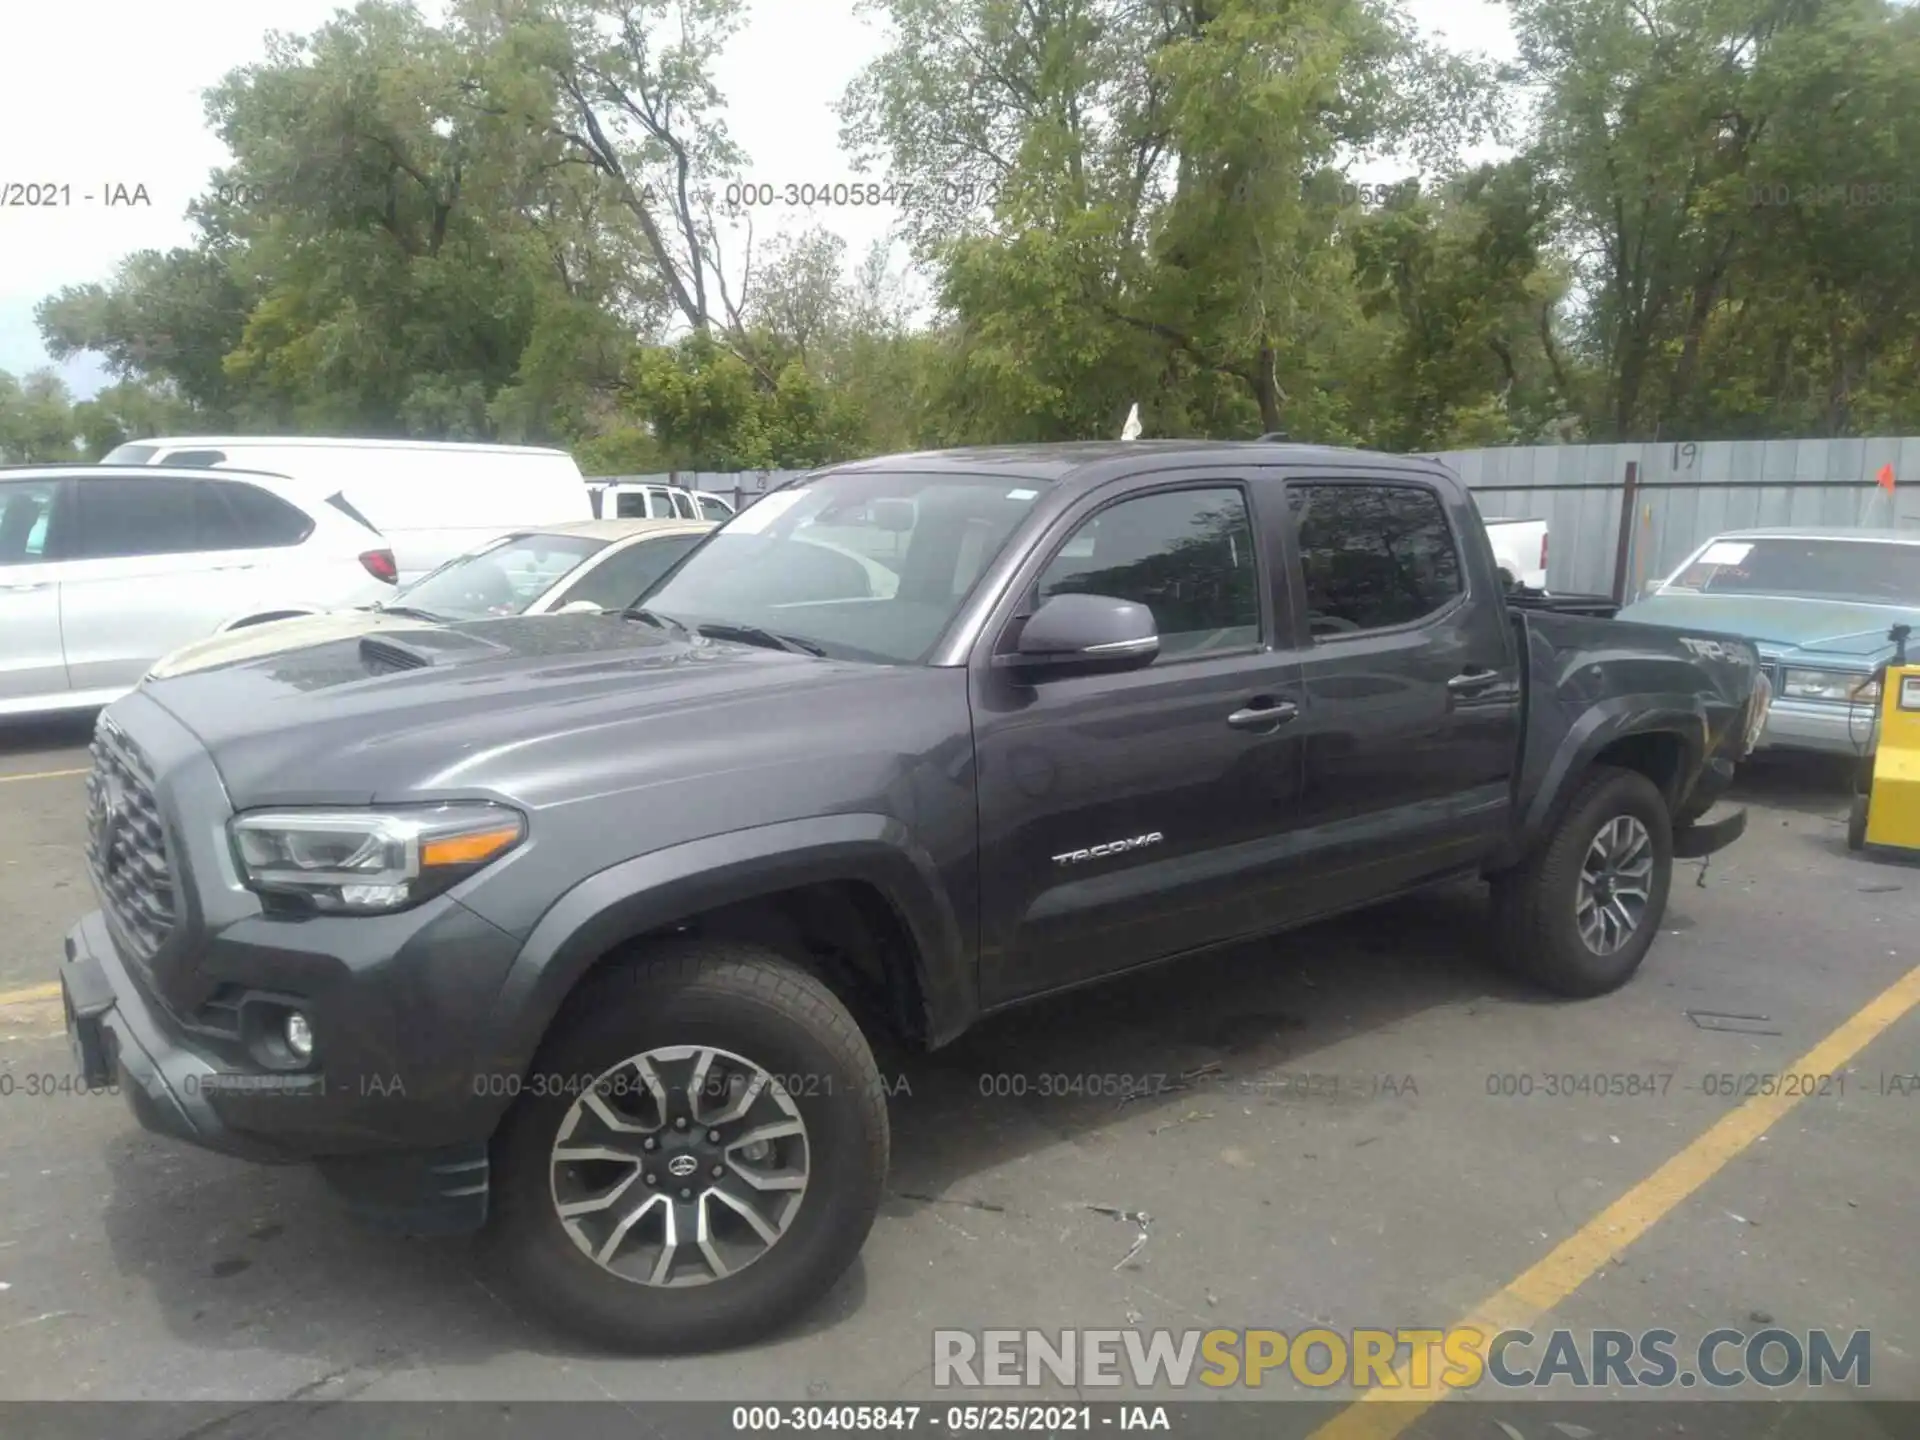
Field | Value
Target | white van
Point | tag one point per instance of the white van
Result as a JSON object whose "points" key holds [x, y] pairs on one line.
{"points": [[432, 500]]}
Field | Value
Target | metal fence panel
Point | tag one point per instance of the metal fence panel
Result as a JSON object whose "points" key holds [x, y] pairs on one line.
{"points": [[1685, 492]]}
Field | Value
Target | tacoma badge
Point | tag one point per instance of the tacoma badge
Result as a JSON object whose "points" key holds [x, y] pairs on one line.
{"points": [[1112, 847]]}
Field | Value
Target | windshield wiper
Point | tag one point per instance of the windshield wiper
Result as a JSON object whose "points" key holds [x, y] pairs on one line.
{"points": [[412, 614], [655, 618], [754, 635]]}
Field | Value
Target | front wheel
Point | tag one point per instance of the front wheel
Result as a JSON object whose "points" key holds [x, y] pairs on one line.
{"points": [[1580, 915], [698, 1156]]}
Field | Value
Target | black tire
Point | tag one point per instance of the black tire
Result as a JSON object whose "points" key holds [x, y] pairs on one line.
{"points": [[1857, 824], [1536, 929], [747, 1000]]}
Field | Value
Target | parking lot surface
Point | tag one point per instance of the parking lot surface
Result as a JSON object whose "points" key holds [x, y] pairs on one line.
{"points": [[1358, 1125]]}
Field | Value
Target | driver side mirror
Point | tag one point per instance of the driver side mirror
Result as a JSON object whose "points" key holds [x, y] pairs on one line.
{"points": [[1086, 634]]}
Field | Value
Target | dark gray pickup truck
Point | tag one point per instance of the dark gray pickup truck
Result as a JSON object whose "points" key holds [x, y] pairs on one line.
{"points": [[559, 927]]}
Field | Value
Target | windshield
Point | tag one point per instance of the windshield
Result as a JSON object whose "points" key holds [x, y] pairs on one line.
{"points": [[502, 578], [1882, 572], [865, 566]]}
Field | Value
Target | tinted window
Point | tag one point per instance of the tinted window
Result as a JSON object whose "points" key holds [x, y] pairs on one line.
{"points": [[133, 517], [1373, 555], [197, 459], [26, 512], [245, 517], [129, 455], [630, 505], [1814, 568], [684, 505], [659, 507], [712, 509], [622, 578], [1187, 555]]}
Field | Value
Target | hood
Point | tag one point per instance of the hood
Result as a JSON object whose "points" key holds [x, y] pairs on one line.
{"points": [[1783, 626], [252, 641], [522, 706]]}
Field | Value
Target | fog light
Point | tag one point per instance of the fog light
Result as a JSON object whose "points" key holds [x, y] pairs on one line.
{"points": [[299, 1035]]}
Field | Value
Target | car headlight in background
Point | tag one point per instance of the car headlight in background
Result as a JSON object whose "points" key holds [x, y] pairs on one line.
{"points": [[370, 862], [1831, 685]]}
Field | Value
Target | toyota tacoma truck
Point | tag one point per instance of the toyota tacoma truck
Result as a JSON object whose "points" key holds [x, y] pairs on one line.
{"points": [[578, 930]]}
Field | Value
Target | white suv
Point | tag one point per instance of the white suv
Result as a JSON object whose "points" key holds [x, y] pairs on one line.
{"points": [[639, 500], [103, 569]]}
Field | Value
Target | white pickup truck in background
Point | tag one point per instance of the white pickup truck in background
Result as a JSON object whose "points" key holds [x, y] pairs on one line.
{"points": [[1520, 550]]}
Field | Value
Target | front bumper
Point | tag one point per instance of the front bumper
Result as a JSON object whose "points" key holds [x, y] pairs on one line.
{"points": [[1828, 728], [175, 1088]]}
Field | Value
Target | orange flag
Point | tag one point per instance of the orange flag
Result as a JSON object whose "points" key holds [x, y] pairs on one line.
{"points": [[1885, 478]]}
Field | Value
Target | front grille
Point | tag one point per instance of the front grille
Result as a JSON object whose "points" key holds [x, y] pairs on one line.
{"points": [[127, 844]]}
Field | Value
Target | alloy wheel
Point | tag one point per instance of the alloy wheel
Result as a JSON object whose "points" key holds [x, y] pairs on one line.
{"points": [[1616, 881], [680, 1166]]}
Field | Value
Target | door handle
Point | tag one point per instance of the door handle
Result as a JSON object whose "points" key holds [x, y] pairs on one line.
{"points": [[1264, 717], [23, 589], [1473, 680], [233, 567]]}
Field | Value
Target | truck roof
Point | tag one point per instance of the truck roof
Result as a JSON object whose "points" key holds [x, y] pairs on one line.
{"points": [[1067, 460]]}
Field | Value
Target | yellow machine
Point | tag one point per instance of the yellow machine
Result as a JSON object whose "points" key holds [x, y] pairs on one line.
{"points": [[1887, 816]]}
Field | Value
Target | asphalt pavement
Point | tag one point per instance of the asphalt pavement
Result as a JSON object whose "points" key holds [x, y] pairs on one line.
{"points": [[1358, 1125]]}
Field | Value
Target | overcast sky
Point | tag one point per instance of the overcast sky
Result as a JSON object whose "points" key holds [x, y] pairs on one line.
{"points": [[117, 101]]}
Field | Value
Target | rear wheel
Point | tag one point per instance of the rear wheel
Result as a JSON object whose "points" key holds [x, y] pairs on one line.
{"points": [[1580, 915], [698, 1156]]}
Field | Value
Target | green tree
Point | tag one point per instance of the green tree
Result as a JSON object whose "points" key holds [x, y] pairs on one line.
{"points": [[36, 419]]}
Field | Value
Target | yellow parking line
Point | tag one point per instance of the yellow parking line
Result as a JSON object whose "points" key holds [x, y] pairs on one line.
{"points": [[1587, 1251], [31, 995], [40, 775]]}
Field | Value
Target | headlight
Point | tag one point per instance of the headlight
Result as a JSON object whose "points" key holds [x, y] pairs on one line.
{"points": [[1827, 685], [1757, 710], [369, 862]]}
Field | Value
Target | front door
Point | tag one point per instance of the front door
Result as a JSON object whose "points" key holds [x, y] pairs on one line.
{"points": [[1122, 816], [32, 664]]}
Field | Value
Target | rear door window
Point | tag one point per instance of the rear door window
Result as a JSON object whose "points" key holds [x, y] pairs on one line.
{"points": [[124, 517], [683, 505], [235, 516], [1375, 556], [659, 507]]}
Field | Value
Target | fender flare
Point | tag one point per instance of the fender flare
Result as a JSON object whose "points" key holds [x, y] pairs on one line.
{"points": [[653, 890], [1622, 716]]}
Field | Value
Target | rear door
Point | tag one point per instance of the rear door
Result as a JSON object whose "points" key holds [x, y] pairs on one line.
{"points": [[1128, 817], [137, 582], [1411, 715], [32, 663]]}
